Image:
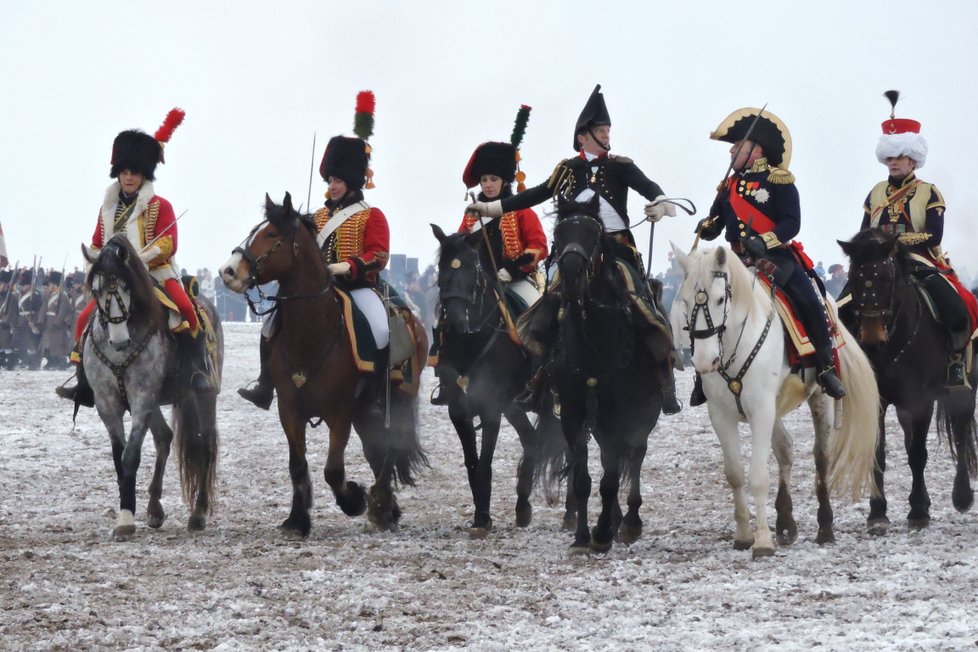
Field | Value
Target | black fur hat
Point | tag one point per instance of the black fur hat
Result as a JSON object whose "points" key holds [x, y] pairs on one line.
{"points": [[135, 151], [346, 158], [491, 158], [25, 277], [53, 278], [594, 114], [5, 275]]}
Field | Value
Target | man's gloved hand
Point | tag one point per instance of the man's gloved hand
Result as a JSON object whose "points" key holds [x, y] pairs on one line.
{"points": [[657, 209], [504, 276], [339, 269], [149, 254], [516, 265], [755, 245], [486, 209]]}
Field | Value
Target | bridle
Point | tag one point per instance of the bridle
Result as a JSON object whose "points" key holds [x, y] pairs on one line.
{"points": [[871, 303], [476, 299], [701, 304], [111, 292]]}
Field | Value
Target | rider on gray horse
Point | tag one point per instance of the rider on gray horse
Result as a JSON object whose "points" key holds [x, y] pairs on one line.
{"points": [[593, 171]]}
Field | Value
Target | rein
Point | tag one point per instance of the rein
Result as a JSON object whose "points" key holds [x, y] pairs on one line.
{"points": [[119, 370]]}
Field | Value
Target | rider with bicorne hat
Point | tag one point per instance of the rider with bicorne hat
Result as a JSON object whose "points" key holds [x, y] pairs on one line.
{"points": [[759, 210], [594, 171], [131, 206], [913, 210]]}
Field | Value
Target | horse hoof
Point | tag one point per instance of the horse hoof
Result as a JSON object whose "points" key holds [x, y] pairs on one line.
{"points": [[788, 537], [759, 553], [878, 525], [743, 545], [962, 500], [578, 550], [918, 522], [155, 521], [569, 524], [597, 546], [479, 532], [196, 523], [293, 530], [353, 501], [123, 533], [628, 535], [524, 517], [825, 537]]}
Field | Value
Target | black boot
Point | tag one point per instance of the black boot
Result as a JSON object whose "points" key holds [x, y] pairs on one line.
{"points": [[529, 398], [200, 375], [263, 392], [697, 397], [670, 404], [81, 393], [439, 396], [957, 374], [827, 378]]}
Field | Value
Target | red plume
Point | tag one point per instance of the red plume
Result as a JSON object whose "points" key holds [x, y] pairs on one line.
{"points": [[365, 102], [173, 120]]}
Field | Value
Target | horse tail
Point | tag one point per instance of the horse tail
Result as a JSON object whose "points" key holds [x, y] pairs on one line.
{"points": [[197, 451], [400, 447], [551, 468], [853, 448], [959, 407]]}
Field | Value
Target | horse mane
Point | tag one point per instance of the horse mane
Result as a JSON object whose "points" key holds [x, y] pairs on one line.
{"points": [[283, 215], [873, 245], [128, 267], [568, 207]]}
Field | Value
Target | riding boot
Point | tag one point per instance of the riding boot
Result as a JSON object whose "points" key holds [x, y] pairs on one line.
{"points": [[664, 361], [264, 391], [200, 375], [438, 396], [697, 397], [670, 404], [957, 374], [827, 378], [529, 398], [378, 383], [81, 393]]}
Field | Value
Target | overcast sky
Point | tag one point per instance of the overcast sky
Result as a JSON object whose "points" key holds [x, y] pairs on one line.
{"points": [[257, 80]]}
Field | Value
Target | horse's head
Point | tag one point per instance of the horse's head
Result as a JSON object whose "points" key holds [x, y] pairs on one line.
{"points": [[122, 289], [578, 245], [461, 279], [873, 272], [269, 251], [705, 297]]}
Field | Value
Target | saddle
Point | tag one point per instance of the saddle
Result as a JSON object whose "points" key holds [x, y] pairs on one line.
{"points": [[406, 340], [801, 351]]}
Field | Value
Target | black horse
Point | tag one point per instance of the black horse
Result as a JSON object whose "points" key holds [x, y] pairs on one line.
{"points": [[482, 370], [601, 373], [909, 350]]}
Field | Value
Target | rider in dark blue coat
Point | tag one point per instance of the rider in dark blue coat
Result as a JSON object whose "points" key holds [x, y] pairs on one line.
{"points": [[758, 211]]}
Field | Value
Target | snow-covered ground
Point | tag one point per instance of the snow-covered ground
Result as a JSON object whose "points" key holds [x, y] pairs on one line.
{"points": [[241, 585]]}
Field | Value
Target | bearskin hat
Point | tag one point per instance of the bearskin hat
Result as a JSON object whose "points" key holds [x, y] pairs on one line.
{"points": [[594, 114], [491, 158], [139, 152], [25, 277], [346, 158], [5, 275], [53, 278]]}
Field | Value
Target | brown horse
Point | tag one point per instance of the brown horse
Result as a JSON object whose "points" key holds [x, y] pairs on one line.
{"points": [[312, 366]]}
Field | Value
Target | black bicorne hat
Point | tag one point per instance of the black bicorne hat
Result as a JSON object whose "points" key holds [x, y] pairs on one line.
{"points": [[769, 132], [346, 158], [594, 114], [491, 158]]}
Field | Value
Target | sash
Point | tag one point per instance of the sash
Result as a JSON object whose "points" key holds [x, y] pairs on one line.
{"points": [[337, 220], [761, 223]]}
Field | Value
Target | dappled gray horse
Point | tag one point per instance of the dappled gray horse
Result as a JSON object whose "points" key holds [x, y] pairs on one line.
{"points": [[130, 359]]}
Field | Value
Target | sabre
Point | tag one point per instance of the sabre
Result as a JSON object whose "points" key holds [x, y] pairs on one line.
{"points": [[497, 288], [312, 164], [10, 286], [163, 232]]}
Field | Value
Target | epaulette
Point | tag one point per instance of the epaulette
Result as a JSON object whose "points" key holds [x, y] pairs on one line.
{"points": [[913, 238], [780, 176], [560, 174], [620, 159]]}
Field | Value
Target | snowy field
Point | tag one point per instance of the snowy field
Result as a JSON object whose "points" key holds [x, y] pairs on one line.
{"points": [[240, 585]]}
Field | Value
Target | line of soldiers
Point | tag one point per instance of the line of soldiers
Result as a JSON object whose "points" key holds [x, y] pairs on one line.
{"points": [[37, 312]]}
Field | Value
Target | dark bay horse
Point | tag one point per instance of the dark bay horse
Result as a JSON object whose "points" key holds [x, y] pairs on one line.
{"points": [[129, 358], [315, 376], [908, 349], [482, 370], [602, 374]]}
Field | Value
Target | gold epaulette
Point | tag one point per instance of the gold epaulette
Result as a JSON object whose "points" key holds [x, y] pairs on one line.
{"points": [[780, 176], [912, 239], [559, 175]]}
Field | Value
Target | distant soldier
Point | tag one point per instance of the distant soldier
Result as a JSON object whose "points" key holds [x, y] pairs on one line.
{"points": [[55, 321], [25, 335], [8, 303]]}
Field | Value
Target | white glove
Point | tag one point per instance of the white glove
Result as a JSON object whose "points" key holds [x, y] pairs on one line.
{"points": [[658, 209], [339, 269], [486, 209], [149, 254], [504, 276]]}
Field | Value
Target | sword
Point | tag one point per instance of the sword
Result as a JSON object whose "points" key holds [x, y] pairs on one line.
{"points": [[312, 164], [163, 232], [497, 288]]}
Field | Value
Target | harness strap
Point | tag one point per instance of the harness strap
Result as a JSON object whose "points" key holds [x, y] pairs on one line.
{"points": [[735, 383], [119, 370]]}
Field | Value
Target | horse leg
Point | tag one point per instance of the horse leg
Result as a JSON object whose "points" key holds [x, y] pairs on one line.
{"points": [[350, 496], [762, 431], [603, 533], [125, 525], [577, 439], [728, 435], [457, 412], [162, 438], [527, 466], [298, 522], [915, 427], [491, 421], [821, 409], [785, 527], [960, 408], [569, 522], [877, 521], [129, 465], [631, 528]]}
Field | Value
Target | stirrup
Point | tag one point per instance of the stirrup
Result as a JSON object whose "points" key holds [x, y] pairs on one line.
{"points": [[438, 395], [261, 395], [957, 375], [830, 383]]}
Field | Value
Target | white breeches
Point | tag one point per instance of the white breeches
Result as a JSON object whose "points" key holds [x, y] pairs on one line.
{"points": [[372, 306], [525, 290]]}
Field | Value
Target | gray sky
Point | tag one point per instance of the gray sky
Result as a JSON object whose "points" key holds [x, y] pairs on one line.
{"points": [[258, 79]]}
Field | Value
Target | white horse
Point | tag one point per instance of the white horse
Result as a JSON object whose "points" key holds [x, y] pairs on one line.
{"points": [[740, 351]]}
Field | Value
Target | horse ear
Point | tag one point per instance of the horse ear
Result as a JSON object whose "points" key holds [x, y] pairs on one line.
{"points": [[89, 254], [721, 256], [846, 247], [439, 234], [680, 257], [269, 204], [287, 203]]}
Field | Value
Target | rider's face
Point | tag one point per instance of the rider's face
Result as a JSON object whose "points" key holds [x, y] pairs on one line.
{"points": [[744, 153], [337, 188], [491, 185], [130, 181], [596, 140], [900, 167]]}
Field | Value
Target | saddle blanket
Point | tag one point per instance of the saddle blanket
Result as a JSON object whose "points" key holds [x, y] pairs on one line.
{"points": [[801, 350]]}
